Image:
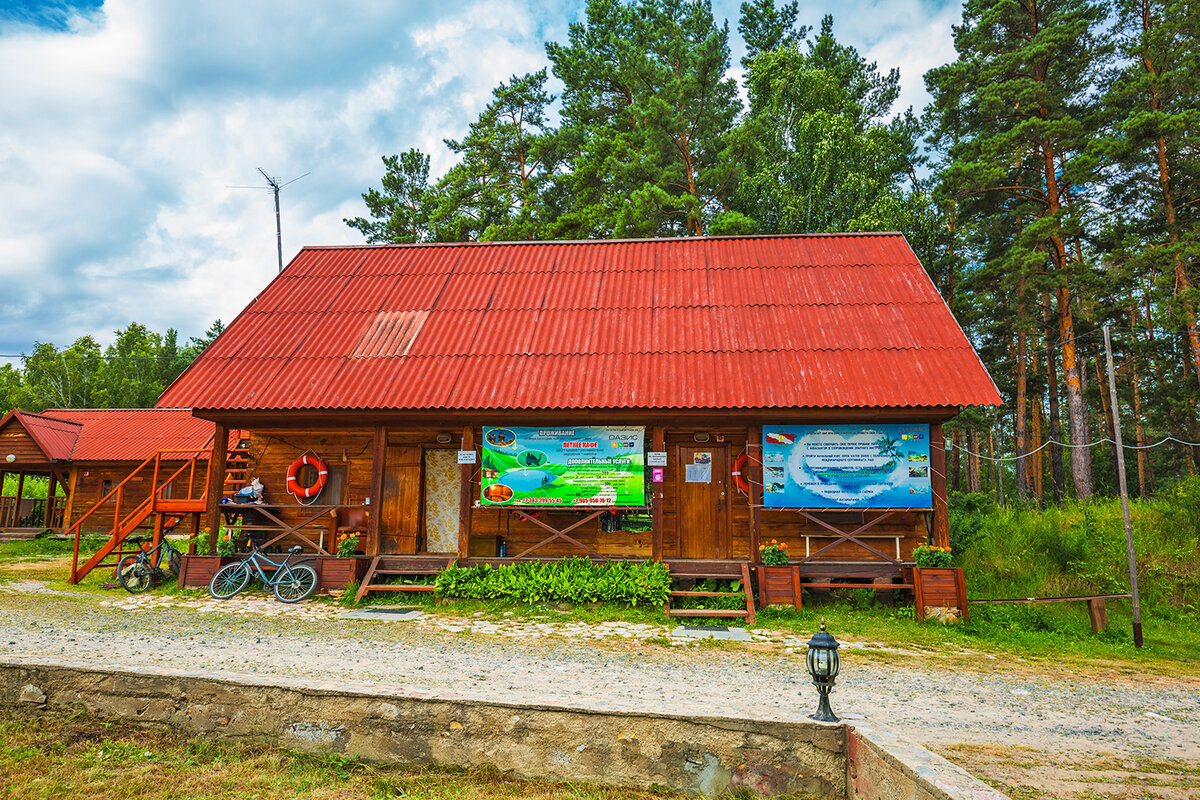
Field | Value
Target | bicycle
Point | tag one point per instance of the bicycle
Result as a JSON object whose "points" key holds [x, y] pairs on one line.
{"points": [[137, 572], [290, 582]]}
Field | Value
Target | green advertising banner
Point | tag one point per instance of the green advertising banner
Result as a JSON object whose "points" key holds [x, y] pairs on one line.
{"points": [[568, 467]]}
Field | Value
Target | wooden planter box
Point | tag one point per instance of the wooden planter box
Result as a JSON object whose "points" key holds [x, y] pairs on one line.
{"points": [[197, 571], [336, 573], [778, 584], [332, 572], [940, 587]]}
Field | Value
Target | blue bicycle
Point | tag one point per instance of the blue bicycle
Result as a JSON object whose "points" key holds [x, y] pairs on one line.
{"points": [[291, 582]]}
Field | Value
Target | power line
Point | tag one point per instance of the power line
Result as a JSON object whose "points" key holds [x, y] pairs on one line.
{"points": [[1049, 442]]}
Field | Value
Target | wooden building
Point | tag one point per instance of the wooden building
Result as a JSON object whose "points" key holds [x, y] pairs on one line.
{"points": [[90, 452], [389, 362]]}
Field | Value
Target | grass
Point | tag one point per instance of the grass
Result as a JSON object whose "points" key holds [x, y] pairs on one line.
{"points": [[1006, 552], [85, 757]]}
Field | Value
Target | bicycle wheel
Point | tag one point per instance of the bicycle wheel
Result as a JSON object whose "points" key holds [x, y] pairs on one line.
{"points": [[134, 574], [229, 580], [174, 561], [296, 584]]}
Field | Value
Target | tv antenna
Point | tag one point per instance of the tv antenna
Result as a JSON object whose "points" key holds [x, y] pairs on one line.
{"points": [[274, 185]]}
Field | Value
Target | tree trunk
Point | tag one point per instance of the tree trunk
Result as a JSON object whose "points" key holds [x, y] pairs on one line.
{"points": [[1021, 444], [973, 484], [1105, 418], [1057, 483], [956, 468]]}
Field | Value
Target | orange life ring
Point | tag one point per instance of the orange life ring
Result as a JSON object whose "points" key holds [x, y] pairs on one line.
{"points": [[739, 480], [294, 486]]}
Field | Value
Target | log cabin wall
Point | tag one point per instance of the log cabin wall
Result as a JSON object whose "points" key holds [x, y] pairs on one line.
{"points": [[349, 450], [89, 482]]}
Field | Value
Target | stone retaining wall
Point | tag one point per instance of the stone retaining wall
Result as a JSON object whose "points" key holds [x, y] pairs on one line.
{"points": [[701, 755]]}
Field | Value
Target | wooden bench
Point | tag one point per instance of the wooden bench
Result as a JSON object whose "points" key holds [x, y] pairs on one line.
{"points": [[1097, 605]]}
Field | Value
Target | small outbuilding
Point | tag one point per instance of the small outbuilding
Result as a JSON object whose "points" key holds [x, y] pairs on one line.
{"points": [[683, 400]]}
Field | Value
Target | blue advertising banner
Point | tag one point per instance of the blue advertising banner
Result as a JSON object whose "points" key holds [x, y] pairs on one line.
{"points": [[850, 466], [577, 466]]}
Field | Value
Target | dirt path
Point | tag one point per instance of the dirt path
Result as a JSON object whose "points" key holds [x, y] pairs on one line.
{"points": [[1035, 736]]}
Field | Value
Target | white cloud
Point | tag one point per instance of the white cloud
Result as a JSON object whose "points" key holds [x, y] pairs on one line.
{"points": [[123, 132]]}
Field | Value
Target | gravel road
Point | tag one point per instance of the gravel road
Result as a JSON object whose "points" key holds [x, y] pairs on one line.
{"points": [[606, 666]]}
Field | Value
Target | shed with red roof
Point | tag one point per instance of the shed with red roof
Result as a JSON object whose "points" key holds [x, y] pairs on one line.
{"points": [[714, 393], [85, 453]]}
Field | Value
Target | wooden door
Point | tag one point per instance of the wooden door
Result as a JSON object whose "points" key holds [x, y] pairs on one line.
{"points": [[703, 505], [400, 507]]}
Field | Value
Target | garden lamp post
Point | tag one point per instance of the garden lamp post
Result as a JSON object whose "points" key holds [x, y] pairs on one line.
{"points": [[823, 665]]}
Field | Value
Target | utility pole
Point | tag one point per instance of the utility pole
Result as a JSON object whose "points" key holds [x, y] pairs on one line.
{"points": [[1133, 585]]}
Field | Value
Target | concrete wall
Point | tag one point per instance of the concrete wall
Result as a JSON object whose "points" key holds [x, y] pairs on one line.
{"points": [[699, 755]]}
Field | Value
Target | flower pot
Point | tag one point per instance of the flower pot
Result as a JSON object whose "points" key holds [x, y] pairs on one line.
{"points": [[939, 587], [196, 571], [778, 584], [336, 573]]}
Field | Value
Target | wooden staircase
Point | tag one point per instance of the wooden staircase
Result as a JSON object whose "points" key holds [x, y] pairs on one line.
{"points": [[401, 566], [685, 572], [237, 465], [131, 517]]}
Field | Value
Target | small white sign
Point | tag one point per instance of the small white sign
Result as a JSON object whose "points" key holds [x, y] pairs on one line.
{"points": [[698, 473], [466, 456], [656, 458]]}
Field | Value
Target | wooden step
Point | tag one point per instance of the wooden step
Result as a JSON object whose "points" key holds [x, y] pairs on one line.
{"points": [[878, 586], [425, 571], [400, 587], [705, 594], [707, 612]]}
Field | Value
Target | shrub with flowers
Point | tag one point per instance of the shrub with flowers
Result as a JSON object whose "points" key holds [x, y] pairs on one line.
{"points": [[774, 554], [226, 547], [347, 543], [931, 556]]}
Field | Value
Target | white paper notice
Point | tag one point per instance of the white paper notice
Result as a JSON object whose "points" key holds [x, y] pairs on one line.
{"points": [[699, 473]]}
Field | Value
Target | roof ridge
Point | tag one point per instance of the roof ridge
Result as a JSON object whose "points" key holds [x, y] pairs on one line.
{"points": [[551, 242]]}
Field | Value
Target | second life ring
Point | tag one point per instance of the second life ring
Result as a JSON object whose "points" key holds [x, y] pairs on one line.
{"points": [[739, 479], [293, 485]]}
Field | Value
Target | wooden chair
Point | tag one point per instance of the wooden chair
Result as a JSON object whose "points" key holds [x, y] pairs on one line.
{"points": [[348, 520]]}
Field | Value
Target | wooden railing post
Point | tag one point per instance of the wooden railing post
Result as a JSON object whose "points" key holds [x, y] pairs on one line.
{"points": [[658, 444], [755, 498], [378, 450], [941, 507], [466, 496], [216, 482]]}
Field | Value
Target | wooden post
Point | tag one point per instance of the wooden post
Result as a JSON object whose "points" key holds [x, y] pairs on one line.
{"points": [[16, 516], [754, 441], [378, 455], [941, 507], [51, 490], [466, 496], [216, 485], [69, 500], [1098, 613], [195, 534], [659, 444]]}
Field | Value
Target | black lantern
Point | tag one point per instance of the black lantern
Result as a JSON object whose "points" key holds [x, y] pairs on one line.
{"points": [[823, 667]]}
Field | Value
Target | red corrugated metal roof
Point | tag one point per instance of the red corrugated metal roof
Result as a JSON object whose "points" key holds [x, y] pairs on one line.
{"points": [[132, 434], [828, 320], [55, 437]]}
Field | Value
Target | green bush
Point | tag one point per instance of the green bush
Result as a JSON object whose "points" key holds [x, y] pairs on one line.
{"points": [[573, 580]]}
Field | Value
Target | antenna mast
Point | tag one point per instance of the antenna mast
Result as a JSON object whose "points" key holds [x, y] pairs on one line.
{"points": [[274, 185]]}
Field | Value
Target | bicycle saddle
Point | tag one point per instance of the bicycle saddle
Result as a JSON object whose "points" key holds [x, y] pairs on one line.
{"points": [[295, 549], [135, 539]]}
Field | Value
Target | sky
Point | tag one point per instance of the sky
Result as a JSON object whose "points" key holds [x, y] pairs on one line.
{"points": [[125, 124]]}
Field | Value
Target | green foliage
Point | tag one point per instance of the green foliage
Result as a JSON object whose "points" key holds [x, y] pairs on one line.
{"points": [[931, 556], [774, 554], [130, 373], [347, 545], [575, 580]]}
